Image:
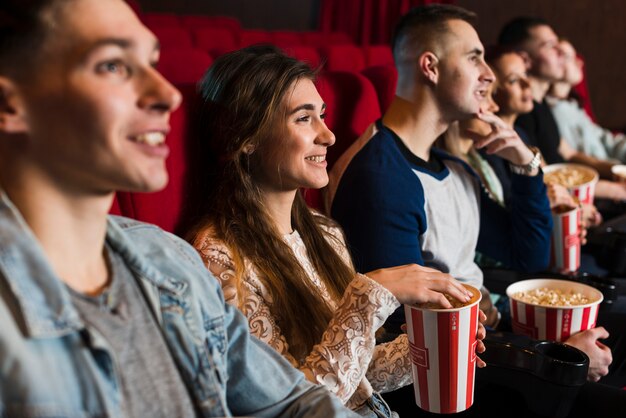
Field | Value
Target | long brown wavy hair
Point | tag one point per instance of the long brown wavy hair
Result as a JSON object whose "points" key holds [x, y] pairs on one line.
{"points": [[242, 107]]}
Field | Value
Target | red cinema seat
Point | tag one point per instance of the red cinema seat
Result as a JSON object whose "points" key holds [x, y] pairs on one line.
{"points": [[215, 41], [344, 58], [384, 78], [284, 39], [115, 207], [173, 37], [184, 66], [337, 38], [582, 89], [307, 54], [314, 39], [195, 21], [163, 208], [225, 22], [160, 20], [352, 105], [251, 37], [378, 55]]}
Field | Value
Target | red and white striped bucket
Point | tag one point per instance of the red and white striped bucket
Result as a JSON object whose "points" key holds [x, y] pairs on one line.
{"points": [[565, 248], [555, 323], [584, 192], [443, 352]]}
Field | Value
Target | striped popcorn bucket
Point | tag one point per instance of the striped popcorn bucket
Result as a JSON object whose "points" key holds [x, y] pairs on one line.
{"points": [[555, 323], [565, 245], [443, 352], [584, 191]]}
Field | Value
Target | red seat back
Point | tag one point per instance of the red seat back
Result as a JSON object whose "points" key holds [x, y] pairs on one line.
{"points": [[344, 58], [384, 78], [215, 41], [184, 66], [352, 105], [305, 53], [160, 20], [173, 37], [286, 39], [251, 37], [378, 55]]}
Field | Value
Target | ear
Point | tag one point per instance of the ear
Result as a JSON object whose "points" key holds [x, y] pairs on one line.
{"points": [[428, 66], [12, 111], [249, 149]]}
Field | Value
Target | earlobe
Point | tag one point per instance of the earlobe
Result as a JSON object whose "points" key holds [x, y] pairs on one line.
{"points": [[248, 149], [12, 112], [428, 66]]}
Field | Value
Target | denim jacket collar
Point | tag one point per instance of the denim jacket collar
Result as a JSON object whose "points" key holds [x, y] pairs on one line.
{"points": [[43, 299]]}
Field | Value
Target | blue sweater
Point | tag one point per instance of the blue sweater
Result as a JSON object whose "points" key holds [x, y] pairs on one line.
{"points": [[380, 202]]}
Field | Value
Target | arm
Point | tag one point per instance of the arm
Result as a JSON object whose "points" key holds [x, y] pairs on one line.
{"points": [[390, 368], [262, 384], [340, 360], [519, 235]]}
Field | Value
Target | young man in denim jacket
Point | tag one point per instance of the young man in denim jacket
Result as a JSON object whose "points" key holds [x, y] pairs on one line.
{"points": [[105, 316]]}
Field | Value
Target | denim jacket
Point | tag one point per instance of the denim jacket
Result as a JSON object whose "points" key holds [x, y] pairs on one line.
{"points": [[54, 365]]}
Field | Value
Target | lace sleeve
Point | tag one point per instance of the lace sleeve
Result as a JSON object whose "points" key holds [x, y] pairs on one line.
{"points": [[390, 368], [250, 298], [341, 359]]}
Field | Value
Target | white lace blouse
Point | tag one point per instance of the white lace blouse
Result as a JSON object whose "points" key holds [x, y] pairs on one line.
{"points": [[347, 360]]}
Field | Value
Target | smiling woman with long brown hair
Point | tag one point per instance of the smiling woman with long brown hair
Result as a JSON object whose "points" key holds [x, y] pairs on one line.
{"points": [[287, 267]]}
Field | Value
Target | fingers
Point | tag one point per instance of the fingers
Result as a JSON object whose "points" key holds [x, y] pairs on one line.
{"points": [[482, 333], [598, 333], [491, 119], [480, 363], [482, 317]]}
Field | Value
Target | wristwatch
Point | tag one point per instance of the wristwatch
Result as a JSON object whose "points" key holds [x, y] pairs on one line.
{"points": [[525, 170]]}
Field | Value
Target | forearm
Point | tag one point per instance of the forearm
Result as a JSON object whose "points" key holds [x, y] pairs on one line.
{"points": [[390, 368]]}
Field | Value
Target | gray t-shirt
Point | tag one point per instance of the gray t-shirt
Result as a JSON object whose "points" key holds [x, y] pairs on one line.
{"points": [[151, 385]]}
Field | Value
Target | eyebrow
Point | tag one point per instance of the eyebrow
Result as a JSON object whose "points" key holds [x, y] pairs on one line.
{"points": [[119, 42], [475, 51], [306, 106]]}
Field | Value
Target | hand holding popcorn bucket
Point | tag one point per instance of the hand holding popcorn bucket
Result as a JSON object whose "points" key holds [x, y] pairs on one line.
{"points": [[580, 180], [443, 352], [551, 309]]}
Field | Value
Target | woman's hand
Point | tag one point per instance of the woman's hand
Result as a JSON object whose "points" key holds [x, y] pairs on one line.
{"points": [[503, 141], [414, 284], [599, 354], [559, 196]]}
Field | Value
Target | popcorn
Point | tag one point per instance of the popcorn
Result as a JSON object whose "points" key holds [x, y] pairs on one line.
{"points": [[569, 176], [552, 297]]}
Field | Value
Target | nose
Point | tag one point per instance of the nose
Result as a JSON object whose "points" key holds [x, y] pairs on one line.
{"points": [[493, 106], [524, 83], [324, 135], [158, 94], [487, 73]]}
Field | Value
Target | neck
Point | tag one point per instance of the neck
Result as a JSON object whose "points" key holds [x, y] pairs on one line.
{"points": [[560, 90], [539, 88], [70, 227], [279, 205], [417, 121]]}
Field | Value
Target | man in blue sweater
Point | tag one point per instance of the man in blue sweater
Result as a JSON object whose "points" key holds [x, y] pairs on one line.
{"points": [[401, 201]]}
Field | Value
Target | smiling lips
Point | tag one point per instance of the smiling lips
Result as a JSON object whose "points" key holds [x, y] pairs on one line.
{"points": [[150, 138], [316, 158]]}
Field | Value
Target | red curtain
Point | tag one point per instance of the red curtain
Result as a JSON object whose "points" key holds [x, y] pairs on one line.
{"points": [[366, 21]]}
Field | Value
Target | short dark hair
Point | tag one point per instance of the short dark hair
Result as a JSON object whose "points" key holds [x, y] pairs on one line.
{"points": [[422, 24], [23, 29], [517, 31]]}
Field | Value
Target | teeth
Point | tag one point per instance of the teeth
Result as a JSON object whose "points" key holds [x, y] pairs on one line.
{"points": [[316, 158], [151, 138]]}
